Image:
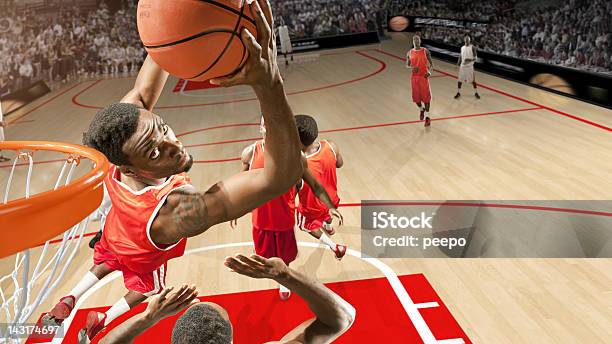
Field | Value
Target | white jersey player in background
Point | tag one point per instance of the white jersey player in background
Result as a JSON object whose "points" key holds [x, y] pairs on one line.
{"points": [[466, 67], [285, 40]]}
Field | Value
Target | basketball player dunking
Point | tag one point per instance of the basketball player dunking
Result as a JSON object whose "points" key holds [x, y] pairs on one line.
{"points": [[323, 158], [154, 206], [466, 67], [274, 222], [419, 60]]}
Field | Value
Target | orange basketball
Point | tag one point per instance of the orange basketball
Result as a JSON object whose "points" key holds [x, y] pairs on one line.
{"points": [[195, 39], [399, 23]]}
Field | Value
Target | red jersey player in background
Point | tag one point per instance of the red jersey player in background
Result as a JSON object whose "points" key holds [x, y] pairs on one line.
{"points": [[419, 60], [323, 159], [274, 222], [154, 207]]}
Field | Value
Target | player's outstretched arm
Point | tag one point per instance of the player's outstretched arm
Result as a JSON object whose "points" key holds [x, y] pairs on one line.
{"points": [[320, 192], [148, 86], [333, 315], [187, 213]]}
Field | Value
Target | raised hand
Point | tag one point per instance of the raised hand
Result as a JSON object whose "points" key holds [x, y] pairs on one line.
{"points": [[260, 68], [169, 303], [257, 266]]}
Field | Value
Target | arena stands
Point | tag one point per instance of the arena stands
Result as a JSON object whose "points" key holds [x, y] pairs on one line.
{"points": [[574, 33], [65, 44], [315, 18], [71, 40]]}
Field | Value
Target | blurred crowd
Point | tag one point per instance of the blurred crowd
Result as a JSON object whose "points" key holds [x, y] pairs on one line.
{"points": [[67, 44], [74, 42], [573, 33], [315, 18]]}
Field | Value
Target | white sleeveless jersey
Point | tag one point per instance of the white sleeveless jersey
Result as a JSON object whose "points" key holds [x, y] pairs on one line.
{"points": [[467, 53], [283, 33]]}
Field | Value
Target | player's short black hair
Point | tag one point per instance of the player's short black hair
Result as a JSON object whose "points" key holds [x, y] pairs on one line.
{"points": [[110, 129], [202, 324], [307, 128]]}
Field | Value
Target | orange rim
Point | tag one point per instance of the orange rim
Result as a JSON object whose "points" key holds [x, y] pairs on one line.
{"points": [[25, 223]]}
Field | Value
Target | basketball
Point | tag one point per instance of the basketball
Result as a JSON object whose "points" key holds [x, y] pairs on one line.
{"points": [[553, 82], [195, 40], [399, 23]]}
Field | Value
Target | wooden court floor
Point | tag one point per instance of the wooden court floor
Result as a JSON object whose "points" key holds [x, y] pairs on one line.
{"points": [[516, 143]]}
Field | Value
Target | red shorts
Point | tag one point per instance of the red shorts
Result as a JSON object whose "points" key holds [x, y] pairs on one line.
{"points": [[312, 224], [420, 89], [148, 284], [281, 244]]}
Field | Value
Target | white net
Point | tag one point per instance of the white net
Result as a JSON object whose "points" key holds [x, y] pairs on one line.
{"points": [[36, 274]]}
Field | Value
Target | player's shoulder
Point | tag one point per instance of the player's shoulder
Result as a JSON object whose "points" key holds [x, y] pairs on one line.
{"points": [[175, 196], [250, 148], [248, 151], [332, 144]]}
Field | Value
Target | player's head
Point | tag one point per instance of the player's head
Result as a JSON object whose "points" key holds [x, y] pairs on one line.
{"points": [[138, 141], [416, 41], [262, 127], [308, 129], [467, 39], [203, 322]]}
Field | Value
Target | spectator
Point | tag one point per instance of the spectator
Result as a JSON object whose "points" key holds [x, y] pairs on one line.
{"points": [[26, 71]]}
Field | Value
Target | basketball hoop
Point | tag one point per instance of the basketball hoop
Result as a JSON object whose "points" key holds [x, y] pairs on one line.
{"points": [[32, 220], [35, 220]]}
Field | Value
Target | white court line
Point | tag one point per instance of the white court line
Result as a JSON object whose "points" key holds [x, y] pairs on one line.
{"points": [[451, 341], [427, 305], [410, 307]]}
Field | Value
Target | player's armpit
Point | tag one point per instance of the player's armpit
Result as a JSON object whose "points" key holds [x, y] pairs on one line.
{"points": [[313, 331]]}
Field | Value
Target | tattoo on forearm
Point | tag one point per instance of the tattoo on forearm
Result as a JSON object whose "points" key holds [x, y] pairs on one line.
{"points": [[191, 215]]}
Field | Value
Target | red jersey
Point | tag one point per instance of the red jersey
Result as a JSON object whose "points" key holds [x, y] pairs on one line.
{"points": [[279, 213], [418, 58], [322, 165], [128, 223]]}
